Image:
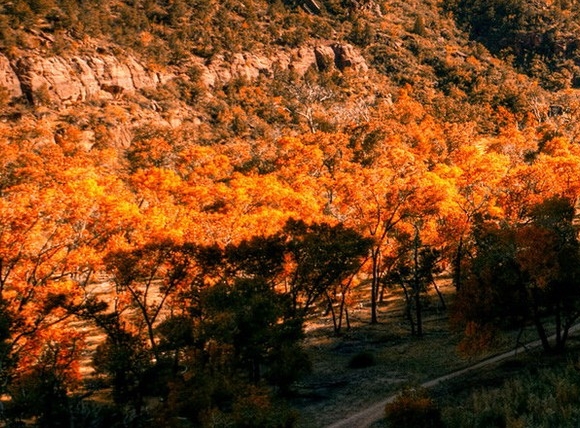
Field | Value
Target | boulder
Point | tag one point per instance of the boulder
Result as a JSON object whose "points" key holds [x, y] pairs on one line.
{"points": [[346, 56], [325, 57]]}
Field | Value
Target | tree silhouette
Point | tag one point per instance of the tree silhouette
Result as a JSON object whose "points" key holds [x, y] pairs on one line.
{"points": [[527, 273]]}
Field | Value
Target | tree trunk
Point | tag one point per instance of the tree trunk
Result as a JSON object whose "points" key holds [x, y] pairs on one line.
{"points": [[538, 322], [542, 334], [417, 287], [335, 320], [255, 374], [558, 316], [382, 292], [341, 310], [441, 299], [375, 284], [457, 265], [408, 309], [418, 314], [151, 334]]}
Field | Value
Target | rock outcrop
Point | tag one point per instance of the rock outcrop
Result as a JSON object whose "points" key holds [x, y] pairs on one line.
{"points": [[347, 57], [67, 80], [78, 78], [8, 79], [325, 57], [250, 66], [220, 70]]}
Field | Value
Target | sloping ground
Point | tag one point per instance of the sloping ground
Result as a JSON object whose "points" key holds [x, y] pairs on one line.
{"points": [[375, 412], [333, 392]]}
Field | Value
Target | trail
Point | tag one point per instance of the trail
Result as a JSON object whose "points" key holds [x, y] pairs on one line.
{"points": [[375, 412]]}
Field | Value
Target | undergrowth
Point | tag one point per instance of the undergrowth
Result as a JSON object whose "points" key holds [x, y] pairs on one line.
{"points": [[534, 397]]}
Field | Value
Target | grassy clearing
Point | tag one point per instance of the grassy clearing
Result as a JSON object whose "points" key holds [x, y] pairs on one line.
{"points": [[334, 390]]}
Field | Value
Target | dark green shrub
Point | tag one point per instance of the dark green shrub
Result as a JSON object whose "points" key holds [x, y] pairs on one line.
{"points": [[362, 360], [419, 26], [362, 33], [255, 408]]}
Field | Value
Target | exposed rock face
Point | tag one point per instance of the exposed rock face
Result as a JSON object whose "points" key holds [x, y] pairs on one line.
{"points": [[302, 60], [66, 80], [249, 65], [325, 57], [62, 81], [347, 57], [244, 65], [8, 78]]}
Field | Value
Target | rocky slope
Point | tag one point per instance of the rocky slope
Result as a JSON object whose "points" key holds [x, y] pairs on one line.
{"points": [[66, 80], [308, 66]]}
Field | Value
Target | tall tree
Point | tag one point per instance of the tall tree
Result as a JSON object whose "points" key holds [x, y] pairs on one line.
{"points": [[414, 271], [150, 276], [549, 256], [320, 257], [527, 272]]}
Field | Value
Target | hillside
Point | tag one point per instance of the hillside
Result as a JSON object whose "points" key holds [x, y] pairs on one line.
{"points": [[188, 62], [201, 182]]}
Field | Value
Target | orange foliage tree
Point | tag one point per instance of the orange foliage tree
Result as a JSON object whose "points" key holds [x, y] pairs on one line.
{"points": [[58, 214]]}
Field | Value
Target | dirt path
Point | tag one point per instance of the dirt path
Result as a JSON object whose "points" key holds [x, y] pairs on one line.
{"points": [[375, 412]]}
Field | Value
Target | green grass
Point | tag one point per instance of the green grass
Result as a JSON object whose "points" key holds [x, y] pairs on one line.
{"points": [[333, 390], [532, 397]]}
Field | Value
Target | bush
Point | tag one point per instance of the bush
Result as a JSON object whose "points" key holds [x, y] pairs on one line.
{"points": [[255, 408], [362, 360], [413, 408]]}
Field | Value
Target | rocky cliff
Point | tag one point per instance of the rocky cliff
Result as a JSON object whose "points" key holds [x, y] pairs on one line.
{"points": [[61, 80], [75, 78]]}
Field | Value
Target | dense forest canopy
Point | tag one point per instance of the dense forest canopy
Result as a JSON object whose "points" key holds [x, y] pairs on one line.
{"points": [[197, 223]]}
